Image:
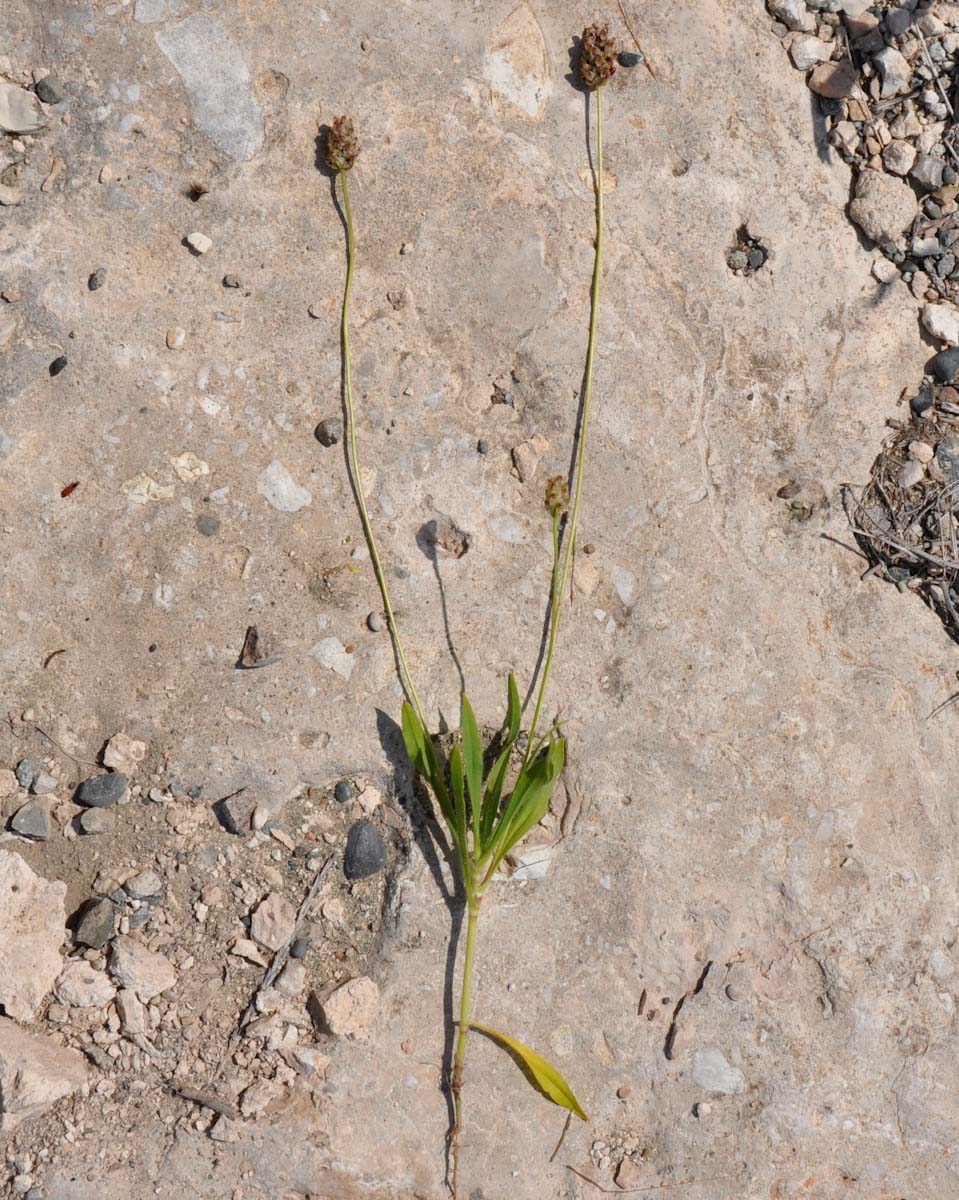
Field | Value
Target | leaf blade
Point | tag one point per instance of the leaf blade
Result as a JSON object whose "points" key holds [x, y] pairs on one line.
{"points": [[514, 710], [548, 1079], [473, 763]]}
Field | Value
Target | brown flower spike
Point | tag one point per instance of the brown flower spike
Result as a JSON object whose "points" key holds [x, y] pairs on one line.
{"points": [[557, 495], [597, 63], [341, 144]]}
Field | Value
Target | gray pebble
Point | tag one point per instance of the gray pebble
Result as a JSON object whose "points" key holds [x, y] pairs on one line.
{"points": [[50, 90], [482, 446], [365, 851], [375, 622], [59, 364], [207, 525], [97, 279], [97, 923], [329, 432], [102, 791], [629, 58], [33, 820], [144, 885], [139, 918], [737, 260], [235, 813], [945, 365], [43, 784], [756, 257], [97, 820], [300, 947], [231, 281], [25, 772], [343, 792]]}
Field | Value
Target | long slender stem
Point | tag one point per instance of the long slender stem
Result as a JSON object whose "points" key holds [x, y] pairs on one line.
{"points": [[570, 535], [459, 1058], [405, 676]]}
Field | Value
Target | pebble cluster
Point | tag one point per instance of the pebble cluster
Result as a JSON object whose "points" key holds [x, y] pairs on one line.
{"points": [[885, 76]]}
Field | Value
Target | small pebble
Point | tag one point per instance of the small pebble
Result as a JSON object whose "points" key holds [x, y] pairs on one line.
{"points": [[97, 279], [329, 432], [97, 821], [406, 248], [59, 364], [175, 338], [207, 525], [482, 446], [365, 43], [756, 257], [921, 451], [50, 90], [25, 771], [344, 791], [374, 622], [624, 1092], [231, 281], [365, 851], [102, 791], [43, 784], [32, 820], [300, 947], [737, 260], [911, 474], [199, 243], [629, 58]]}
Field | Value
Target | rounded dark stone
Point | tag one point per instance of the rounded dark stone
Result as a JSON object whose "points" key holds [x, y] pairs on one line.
{"points": [[102, 791], [343, 792], [25, 772], [300, 947], [59, 364], [365, 851], [756, 257], [50, 90], [629, 58], [97, 279], [944, 366], [231, 281], [329, 431], [207, 525], [482, 446], [737, 260]]}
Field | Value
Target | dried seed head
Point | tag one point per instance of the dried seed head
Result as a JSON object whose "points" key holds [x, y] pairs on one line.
{"points": [[597, 64], [557, 495], [341, 144]]}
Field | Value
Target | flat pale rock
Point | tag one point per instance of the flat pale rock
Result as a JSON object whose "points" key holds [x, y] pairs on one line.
{"points": [[218, 82], [272, 922], [146, 972], [35, 1072], [124, 753], [32, 928], [517, 65], [278, 486], [351, 1009], [20, 110], [83, 986], [713, 1073], [883, 206]]}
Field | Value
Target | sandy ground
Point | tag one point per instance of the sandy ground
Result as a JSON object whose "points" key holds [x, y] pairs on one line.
{"points": [[765, 820]]}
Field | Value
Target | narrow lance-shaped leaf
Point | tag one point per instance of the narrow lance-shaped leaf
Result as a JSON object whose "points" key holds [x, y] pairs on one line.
{"points": [[459, 800], [473, 761], [494, 791], [514, 710], [545, 1075], [419, 747]]}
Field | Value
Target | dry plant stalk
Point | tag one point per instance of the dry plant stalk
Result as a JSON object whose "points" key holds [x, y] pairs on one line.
{"points": [[485, 816]]}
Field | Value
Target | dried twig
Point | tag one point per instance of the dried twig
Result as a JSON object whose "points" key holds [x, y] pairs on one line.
{"points": [[632, 34], [618, 1191]]}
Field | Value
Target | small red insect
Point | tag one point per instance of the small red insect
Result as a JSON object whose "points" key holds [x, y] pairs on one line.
{"points": [[70, 488]]}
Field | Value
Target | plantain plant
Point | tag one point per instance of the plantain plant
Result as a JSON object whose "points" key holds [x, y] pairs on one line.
{"points": [[488, 802]]}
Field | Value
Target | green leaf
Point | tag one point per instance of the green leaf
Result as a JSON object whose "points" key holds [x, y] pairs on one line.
{"points": [[514, 709], [545, 1075], [528, 803], [419, 747], [494, 791], [456, 778], [473, 761]]}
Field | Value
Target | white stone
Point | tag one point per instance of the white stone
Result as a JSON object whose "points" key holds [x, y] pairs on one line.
{"points": [[82, 986], [35, 1072], [713, 1073], [147, 12], [531, 862], [277, 485], [199, 242], [272, 922], [292, 979], [32, 927], [244, 948], [132, 1012], [147, 972], [806, 50], [258, 1096], [330, 652], [20, 110], [625, 584], [899, 156], [911, 473], [792, 13], [352, 1008], [942, 321], [883, 206], [124, 753], [894, 71]]}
